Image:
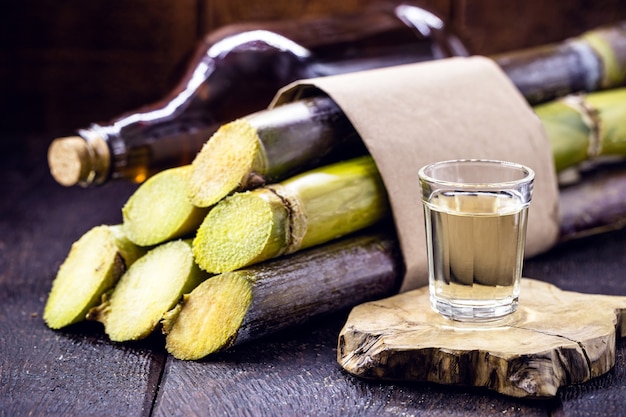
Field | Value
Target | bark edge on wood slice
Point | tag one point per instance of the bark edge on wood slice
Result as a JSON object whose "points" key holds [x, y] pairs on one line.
{"points": [[555, 338]]}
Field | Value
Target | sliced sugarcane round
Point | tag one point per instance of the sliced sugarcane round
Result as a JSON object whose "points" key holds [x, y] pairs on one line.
{"points": [[208, 318], [150, 287], [231, 160], [94, 264], [160, 210], [243, 229]]}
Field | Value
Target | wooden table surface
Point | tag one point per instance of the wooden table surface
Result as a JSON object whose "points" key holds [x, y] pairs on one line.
{"points": [[79, 372]]}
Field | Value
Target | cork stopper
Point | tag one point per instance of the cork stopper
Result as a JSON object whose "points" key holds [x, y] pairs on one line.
{"points": [[74, 160]]}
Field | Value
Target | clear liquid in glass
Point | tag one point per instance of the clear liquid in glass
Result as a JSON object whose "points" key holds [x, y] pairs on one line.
{"points": [[477, 241]]}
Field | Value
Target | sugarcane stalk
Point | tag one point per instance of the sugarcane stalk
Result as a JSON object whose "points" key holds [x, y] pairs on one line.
{"points": [[595, 60], [269, 146], [160, 210], [585, 127], [93, 266], [149, 288], [303, 211], [595, 205], [236, 307]]}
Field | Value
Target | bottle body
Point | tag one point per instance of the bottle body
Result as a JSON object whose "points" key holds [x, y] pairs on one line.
{"points": [[236, 71]]}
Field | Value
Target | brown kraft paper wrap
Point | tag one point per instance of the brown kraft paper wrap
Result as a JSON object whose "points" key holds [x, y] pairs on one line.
{"points": [[457, 108]]}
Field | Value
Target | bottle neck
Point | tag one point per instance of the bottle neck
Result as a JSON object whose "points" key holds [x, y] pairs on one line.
{"points": [[83, 160]]}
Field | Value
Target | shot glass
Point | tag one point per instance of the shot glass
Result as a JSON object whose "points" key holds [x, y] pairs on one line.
{"points": [[475, 215]]}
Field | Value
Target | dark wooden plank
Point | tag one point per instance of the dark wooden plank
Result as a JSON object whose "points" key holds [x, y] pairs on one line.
{"points": [[219, 13], [592, 265], [70, 63], [75, 371], [603, 396], [492, 26], [70, 373]]}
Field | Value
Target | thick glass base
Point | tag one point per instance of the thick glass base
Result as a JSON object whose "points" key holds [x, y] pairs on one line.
{"points": [[474, 311]]}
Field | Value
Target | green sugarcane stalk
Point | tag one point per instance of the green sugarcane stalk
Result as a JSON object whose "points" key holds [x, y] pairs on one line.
{"points": [[269, 146], [585, 127], [594, 205], [580, 128], [303, 211], [244, 305], [595, 60]]}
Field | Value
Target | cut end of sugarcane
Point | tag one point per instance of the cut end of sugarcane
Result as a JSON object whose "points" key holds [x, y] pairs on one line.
{"points": [[232, 160], [99, 312], [129, 251], [150, 287], [209, 318], [160, 210], [93, 266], [244, 229]]}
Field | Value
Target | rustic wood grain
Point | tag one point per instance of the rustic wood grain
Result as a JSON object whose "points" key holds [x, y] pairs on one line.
{"points": [[556, 338]]}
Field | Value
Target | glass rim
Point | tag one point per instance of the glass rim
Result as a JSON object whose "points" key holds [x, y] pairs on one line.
{"points": [[528, 177]]}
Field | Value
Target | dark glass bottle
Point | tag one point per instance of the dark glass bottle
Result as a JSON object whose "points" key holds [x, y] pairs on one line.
{"points": [[236, 71]]}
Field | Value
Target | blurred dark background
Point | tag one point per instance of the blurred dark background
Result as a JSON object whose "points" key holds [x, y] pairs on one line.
{"points": [[66, 63]]}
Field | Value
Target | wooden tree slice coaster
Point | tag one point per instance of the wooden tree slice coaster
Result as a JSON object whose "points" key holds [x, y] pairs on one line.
{"points": [[555, 338]]}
